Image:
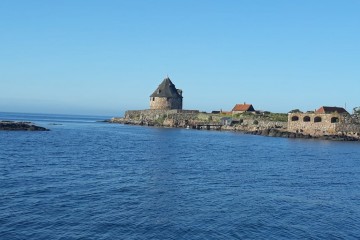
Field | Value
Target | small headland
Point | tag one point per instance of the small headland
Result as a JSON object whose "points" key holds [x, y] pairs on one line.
{"points": [[20, 126], [265, 124]]}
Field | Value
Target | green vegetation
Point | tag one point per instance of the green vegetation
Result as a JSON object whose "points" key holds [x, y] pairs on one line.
{"points": [[160, 120], [204, 117], [295, 111], [356, 110], [268, 116], [225, 114], [278, 117]]}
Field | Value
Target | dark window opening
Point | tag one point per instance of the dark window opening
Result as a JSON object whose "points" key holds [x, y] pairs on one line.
{"points": [[306, 119], [334, 120], [317, 119], [295, 118]]}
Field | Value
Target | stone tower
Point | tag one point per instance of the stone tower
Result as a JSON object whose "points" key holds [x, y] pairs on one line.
{"points": [[166, 96]]}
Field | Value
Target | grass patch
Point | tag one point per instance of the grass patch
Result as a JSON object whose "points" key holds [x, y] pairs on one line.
{"points": [[278, 117]]}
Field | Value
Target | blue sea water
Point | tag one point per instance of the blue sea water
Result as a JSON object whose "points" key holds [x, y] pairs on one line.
{"points": [[91, 180]]}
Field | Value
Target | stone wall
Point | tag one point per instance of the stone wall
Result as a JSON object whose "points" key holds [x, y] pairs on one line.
{"points": [[169, 118], [162, 103], [350, 127], [313, 123], [154, 114], [258, 124], [317, 124]]}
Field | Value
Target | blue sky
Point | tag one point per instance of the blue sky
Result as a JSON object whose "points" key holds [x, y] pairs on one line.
{"points": [[104, 57]]}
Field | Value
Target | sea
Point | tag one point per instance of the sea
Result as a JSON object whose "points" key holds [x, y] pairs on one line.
{"points": [[86, 179]]}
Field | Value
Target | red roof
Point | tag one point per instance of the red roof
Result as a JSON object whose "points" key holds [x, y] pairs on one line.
{"points": [[325, 109], [243, 107]]}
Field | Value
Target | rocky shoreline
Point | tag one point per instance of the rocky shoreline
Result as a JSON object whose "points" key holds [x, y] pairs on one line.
{"points": [[20, 126], [265, 131], [285, 134]]}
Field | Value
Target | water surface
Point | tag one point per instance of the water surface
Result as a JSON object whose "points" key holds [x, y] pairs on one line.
{"points": [[90, 180]]}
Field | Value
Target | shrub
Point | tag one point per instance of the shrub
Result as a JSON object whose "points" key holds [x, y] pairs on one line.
{"points": [[295, 111], [279, 117]]}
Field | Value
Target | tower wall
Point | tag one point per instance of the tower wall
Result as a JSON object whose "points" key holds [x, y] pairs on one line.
{"points": [[162, 103]]}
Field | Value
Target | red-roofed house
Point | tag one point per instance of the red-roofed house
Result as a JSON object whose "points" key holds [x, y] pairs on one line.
{"points": [[241, 108], [327, 110]]}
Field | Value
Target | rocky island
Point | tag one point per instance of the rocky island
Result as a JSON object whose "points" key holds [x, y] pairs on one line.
{"points": [[20, 126], [328, 123]]}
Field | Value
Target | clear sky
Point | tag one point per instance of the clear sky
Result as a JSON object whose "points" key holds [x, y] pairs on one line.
{"points": [[103, 57]]}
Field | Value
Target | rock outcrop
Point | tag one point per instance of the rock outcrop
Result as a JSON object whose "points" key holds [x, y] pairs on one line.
{"points": [[285, 134], [20, 126]]}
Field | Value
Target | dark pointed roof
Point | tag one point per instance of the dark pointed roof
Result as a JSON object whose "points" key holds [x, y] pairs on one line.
{"points": [[166, 89]]}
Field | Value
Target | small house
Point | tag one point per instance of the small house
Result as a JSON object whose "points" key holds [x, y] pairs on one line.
{"points": [[241, 108], [228, 121]]}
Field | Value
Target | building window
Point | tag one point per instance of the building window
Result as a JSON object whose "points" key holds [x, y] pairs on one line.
{"points": [[295, 118], [334, 120], [306, 119], [317, 119], [153, 99]]}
